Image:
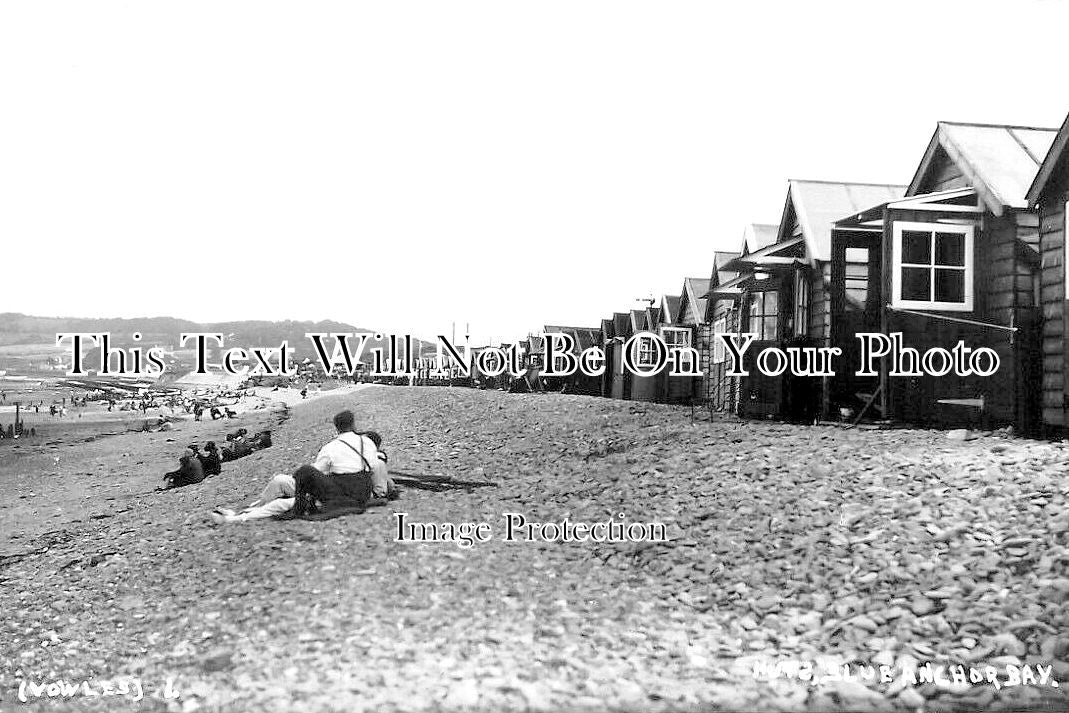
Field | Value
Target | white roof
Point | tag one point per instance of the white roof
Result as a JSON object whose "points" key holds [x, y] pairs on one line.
{"points": [[819, 204], [999, 161]]}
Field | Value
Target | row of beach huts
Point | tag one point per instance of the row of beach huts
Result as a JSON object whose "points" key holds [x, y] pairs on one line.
{"points": [[972, 249]]}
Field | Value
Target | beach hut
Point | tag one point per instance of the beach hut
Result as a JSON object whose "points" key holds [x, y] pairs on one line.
{"points": [[682, 330], [786, 295], [617, 382], [532, 361], [577, 383], [720, 391], [959, 261], [1049, 195], [643, 388]]}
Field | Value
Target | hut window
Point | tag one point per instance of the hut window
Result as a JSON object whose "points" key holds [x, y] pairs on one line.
{"points": [[801, 303], [676, 337], [719, 327], [857, 278], [647, 351], [764, 315], [933, 266]]}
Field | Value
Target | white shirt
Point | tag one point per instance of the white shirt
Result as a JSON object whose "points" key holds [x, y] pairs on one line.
{"points": [[337, 457]]}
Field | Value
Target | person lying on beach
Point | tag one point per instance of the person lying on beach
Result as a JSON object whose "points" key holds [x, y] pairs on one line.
{"points": [[209, 460], [348, 472], [189, 471]]}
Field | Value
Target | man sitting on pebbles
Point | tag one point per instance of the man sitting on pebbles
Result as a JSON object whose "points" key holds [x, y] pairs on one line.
{"points": [[350, 455]]}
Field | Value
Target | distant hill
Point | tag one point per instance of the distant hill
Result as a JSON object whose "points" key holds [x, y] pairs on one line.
{"points": [[20, 329]]}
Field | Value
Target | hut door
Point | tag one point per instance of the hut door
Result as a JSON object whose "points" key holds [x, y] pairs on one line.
{"points": [[761, 395], [856, 269]]}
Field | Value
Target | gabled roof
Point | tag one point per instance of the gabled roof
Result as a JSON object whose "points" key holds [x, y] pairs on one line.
{"points": [[638, 321], [608, 329], [621, 322], [1054, 156], [816, 205], [692, 300], [720, 259], [1000, 161], [669, 308], [758, 235], [719, 276], [653, 318]]}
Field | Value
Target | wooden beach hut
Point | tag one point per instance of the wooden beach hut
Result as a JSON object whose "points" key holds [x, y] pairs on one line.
{"points": [[959, 260], [1049, 195], [643, 388], [683, 330], [617, 382], [720, 391], [578, 383], [785, 293]]}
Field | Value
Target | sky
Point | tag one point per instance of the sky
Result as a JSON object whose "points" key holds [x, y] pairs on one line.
{"points": [[504, 165]]}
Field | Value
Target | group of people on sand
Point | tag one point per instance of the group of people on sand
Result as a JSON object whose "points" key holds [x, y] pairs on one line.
{"points": [[348, 475], [194, 466]]}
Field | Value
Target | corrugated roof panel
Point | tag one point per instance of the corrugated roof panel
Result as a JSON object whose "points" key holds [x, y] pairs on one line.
{"points": [[998, 157], [758, 235], [1038, 141], [819, 204]]}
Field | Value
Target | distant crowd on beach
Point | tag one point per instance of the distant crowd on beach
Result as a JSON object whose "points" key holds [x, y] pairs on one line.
{"points": [[170, 405]]}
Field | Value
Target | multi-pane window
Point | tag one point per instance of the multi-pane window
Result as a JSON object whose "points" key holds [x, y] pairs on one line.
{"points": [[646, 351], [764, 315], [801, 303], [932, 266], [857, 278], [719, 327], [676, 337]]}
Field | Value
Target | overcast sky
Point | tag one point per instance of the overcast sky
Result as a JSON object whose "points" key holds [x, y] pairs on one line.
{"points": [[402, 166]]}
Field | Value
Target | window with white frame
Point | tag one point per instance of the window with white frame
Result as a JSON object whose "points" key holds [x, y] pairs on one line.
{"points": [[801, 303], [720, 326], [764, 315], [647, 351], [933, 266], [676, 337]]}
